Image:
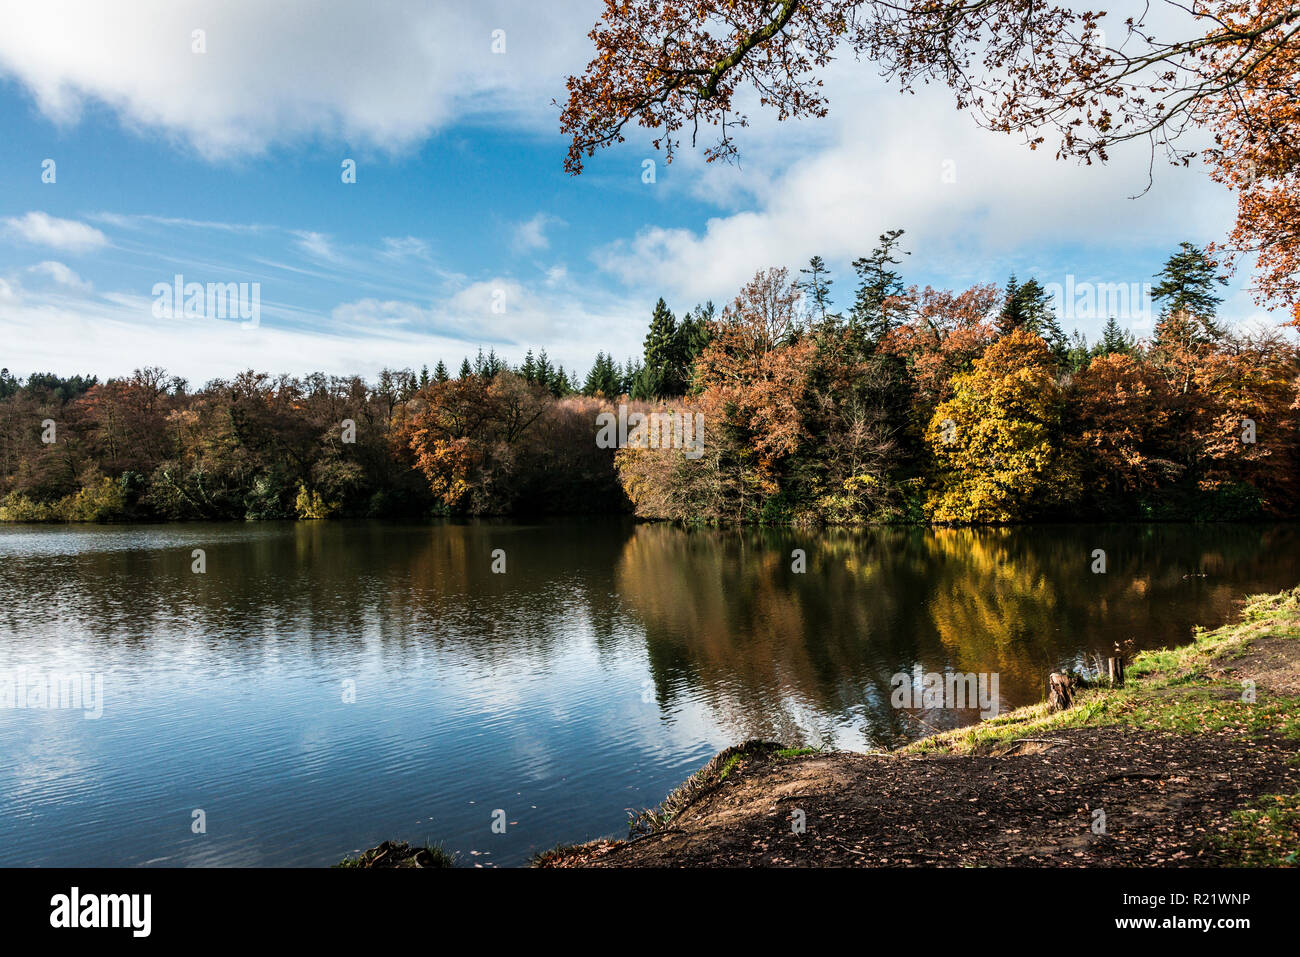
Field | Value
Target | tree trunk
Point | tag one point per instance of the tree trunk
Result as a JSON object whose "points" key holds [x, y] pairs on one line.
{"points": [[1058, 692]]}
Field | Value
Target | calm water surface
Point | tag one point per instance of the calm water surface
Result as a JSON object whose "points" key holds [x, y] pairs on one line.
{"points": [[608, 663]]}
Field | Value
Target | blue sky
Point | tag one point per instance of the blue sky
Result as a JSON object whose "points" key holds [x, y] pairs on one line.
{"points": [[224, 166]]}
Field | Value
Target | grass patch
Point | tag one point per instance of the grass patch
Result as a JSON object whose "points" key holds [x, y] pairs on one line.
{"points": [[1267, 835], [797, 752]]}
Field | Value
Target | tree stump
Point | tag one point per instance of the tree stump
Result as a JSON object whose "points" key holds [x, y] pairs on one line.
{"points": [[1115, 669], [1058, 692]]}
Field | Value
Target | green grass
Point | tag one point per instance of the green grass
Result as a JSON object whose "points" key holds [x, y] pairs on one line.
{"points": [[797, 752], [1267, 835]]}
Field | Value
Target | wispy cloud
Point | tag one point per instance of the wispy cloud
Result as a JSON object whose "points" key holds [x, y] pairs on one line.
{"points": [[139, 220], [317, 246], [406, 247], [60, 274], [530, 235], [44, 230]]}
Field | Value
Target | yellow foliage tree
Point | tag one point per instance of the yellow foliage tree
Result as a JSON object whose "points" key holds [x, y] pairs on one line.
{"points": [[995, 440], [311, 504]]}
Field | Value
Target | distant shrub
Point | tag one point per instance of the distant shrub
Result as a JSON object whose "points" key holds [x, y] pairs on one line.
{"points": [[311, 504], [20, 508], [104, 500]]}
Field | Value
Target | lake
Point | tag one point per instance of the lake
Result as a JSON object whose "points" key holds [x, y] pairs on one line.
{"points": [[322, 687]]}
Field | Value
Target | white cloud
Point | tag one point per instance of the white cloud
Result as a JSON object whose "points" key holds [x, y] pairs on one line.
{"points": [[140, 220], [60, 274], [45, 230], [110, 333], [511, 316], [382, 77], [530, 235], [407, 247], [316, 245], [975, 205]]}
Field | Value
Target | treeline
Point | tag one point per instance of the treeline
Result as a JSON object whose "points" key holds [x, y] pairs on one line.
{"points": [[910, 405], [148, 448], [974, 407]]}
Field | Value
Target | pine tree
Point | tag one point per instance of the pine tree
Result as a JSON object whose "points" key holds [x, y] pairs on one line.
{"points": [[545, 373], [1078, 354], [1010, 318], [693, 334], [440, 372], [424, 375], [1187, 284], [878, 283], [1115, 340], [818, 287], [663, 360], [1027, 305], [1040, 316], [604, 378], [641, 384], [562, 384], [465, 370], [634, 378], [529, 369]]}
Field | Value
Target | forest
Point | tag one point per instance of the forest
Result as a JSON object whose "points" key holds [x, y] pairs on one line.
{"points": [[912, 405]]}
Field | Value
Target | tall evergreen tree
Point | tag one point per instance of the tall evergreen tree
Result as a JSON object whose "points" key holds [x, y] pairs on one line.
{"points": [[877, 283], [465, 370], [693, 334], [529, 369], [817, 287], [633, 376], [563, 384], [545, 373], [1115, 340], [1187, 284], [664, 373], [1078, 354], [1027, 305], [604, 378], [1010, 318], [440, 372]]}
